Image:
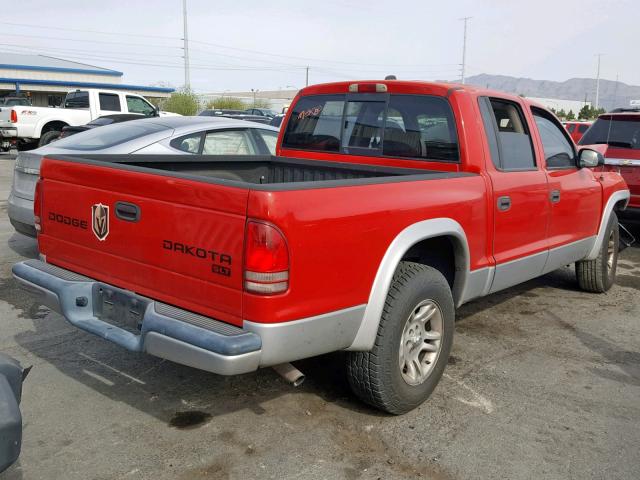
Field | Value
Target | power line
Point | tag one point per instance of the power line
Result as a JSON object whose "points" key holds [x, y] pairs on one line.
{"points": [[48, 27], [88, 41]]}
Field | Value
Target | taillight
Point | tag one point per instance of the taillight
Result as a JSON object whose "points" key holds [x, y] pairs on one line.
{"points": [[367, 88], [14, 117], [37, 206], [266, 264]]}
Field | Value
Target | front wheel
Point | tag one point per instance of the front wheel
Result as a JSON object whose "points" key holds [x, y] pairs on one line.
{"points": [[599, 275], [413, 343]]}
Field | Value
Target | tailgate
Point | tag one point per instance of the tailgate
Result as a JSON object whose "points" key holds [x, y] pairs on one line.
{"points": [[175, 240]]}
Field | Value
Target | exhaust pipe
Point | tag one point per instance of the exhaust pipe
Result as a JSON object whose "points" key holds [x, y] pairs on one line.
{"points": [[290, 373]]}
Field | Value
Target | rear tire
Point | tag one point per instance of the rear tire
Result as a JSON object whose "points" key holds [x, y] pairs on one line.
{"points": [[599, 275], [26, 146], [47, 138], [413, 343]]}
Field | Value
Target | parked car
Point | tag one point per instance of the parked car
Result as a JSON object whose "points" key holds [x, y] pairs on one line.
{"points": [[277, 120], [620, 132], [30, 127], [100, 122], [262, 112], [153, 136], [388, 205], [235, 114], [577, 129], [11, 377]]}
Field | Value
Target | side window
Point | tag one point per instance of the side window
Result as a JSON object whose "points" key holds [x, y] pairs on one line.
{"points": [[583, 128], [109, 101], [138, 105], [558, 151], [508, 135], [189, 143], [77, 100], [420, 126], [228, 142], [270, 138]]}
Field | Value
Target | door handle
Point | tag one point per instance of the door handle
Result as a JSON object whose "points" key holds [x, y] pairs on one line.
{"points": [[128, 212], [555, 196], [504, 203]]}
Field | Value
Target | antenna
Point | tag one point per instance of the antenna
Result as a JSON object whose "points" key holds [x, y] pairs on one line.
{"points": [[464, 49], [599, 55]]}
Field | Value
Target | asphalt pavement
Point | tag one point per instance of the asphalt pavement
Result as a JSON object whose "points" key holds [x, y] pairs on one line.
{"points": [[543, 382]]}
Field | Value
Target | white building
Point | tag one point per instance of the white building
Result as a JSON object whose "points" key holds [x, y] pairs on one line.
{"points": [[278, 99], [45, 80]]}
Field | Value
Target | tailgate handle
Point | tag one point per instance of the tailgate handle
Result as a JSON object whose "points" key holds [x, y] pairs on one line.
{"points": [[127, 211]]}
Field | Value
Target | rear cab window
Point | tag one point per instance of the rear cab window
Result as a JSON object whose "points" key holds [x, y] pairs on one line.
{"points": [[407, 126], [109, 101], [619, 131]]}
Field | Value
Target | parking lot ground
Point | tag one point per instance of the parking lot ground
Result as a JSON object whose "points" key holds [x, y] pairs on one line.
{"points": [[543, 382]]}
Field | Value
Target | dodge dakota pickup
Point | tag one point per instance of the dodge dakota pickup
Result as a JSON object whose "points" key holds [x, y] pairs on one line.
{"points": [[389, 204]]}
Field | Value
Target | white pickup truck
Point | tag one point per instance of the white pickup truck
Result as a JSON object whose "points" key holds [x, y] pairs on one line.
{"points": [[28, 127]]}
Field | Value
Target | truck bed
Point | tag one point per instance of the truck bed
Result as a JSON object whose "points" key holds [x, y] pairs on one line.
{"points": [[263, 172]]}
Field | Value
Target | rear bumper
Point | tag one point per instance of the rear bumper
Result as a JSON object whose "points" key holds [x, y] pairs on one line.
{"points": [[182, 336], [20, 211], [8, 133], [164, 331]]}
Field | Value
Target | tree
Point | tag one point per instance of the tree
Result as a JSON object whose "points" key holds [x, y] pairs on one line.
{"points": [[561, 113], [227, 103], [571, 115], [183, 101], [585, 112]]}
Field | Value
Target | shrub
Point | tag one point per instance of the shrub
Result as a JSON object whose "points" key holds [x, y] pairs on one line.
{"points": [[227, 103], [184, 102]]}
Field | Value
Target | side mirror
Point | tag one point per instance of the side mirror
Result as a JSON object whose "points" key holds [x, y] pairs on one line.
{"points": [[588, 158], [156, 111]]}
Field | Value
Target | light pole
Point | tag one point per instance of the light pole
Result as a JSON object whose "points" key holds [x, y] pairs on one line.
{"points": [[599, 55], [464, 49], [254, 91]]}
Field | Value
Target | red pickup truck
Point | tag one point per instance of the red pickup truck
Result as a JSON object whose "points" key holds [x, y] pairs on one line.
{"points": [[390, 204]]}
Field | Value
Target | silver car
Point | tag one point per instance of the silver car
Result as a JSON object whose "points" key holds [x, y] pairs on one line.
{"points": [[150, 136]]}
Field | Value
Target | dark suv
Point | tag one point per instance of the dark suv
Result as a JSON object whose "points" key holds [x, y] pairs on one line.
{"points": [[620, 131]]}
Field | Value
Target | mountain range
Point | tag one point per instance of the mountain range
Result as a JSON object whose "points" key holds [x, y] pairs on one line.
{"points": [[612, 94]]}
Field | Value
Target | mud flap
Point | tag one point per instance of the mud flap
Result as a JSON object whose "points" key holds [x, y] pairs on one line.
{"points": [[11, 377]]}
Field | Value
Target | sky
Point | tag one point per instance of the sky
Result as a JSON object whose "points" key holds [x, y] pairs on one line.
{"points": [[238, 45]]}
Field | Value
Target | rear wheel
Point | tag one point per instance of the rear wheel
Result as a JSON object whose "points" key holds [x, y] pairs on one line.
{"points": [[599, 275], [413, 343], [47, 138]]}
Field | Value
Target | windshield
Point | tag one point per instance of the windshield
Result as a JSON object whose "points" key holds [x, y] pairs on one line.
{"points": [[109, 136], [617, 131]]}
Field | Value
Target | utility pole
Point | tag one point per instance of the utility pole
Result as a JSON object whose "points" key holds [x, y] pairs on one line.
{"points": [[599, 55], [187, 80], [615, 92], [306, 83], [464, 49]]}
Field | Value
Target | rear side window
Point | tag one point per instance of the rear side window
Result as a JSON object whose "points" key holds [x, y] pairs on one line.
{"points": [[583, 128], [315, 123], [508, 135], [77, 100], [109, 101], [270, 138], [189, 143], [620, 131], [558, 151]]}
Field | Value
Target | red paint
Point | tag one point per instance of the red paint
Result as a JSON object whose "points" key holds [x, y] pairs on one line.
{"points": [[333, 239], [576, 129]]}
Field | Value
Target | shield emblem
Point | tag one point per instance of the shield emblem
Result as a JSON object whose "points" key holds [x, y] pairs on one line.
{"points": [[100, 220]]}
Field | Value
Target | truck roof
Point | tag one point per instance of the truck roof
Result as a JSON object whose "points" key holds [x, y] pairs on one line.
{"points": [[412, 87]]}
